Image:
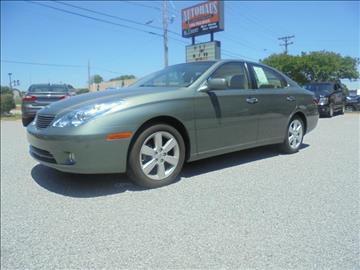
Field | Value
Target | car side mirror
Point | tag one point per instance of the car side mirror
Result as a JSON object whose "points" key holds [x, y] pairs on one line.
{"points": [[217, 84]]}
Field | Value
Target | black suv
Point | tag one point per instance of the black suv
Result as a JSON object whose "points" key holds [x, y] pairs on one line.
{"points": [[40, 95], [331, 97]]}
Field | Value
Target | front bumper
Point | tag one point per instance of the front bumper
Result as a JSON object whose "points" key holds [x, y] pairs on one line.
{"points": [[81, 153], [323, 109], [355, 105], [30, 111]]}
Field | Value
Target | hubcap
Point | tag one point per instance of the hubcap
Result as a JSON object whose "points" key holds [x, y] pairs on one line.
{"points": [[159, 155], [295, 134]]}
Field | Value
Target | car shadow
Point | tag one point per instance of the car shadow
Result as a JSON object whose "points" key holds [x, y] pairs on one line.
{"points": [[96, 185]]}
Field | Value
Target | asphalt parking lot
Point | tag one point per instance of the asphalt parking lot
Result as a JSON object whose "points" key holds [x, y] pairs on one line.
{"points": [[252, 209]]}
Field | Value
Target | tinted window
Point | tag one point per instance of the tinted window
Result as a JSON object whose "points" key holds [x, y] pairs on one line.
{"points": [[320, 88], [234, 74], [268, 78], [47, 88], [178, 75]]}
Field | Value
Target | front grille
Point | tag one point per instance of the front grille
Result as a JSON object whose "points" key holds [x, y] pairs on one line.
{"points": [[42, 155], [43, 121]]}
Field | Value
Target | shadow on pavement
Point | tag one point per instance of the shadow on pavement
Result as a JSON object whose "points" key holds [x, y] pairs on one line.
{"points": [[87, 186]]}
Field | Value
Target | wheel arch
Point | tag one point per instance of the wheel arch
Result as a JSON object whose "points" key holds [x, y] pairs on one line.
{"points": [[302, 116], [164, 119]]}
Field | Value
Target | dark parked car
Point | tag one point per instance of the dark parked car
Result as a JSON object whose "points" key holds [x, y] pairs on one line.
{"points": [[331, 97], [40, 95], [353, 101], [180, 114]]}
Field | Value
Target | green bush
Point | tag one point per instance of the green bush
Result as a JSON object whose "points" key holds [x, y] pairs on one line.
{"points": [[7, 103], [6, 90], [82, 91]]}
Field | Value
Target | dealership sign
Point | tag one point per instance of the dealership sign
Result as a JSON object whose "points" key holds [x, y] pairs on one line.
{"points": [[203, 51], [203, 18]]}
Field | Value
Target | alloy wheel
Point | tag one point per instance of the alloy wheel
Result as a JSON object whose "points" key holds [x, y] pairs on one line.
{"points": [[295, 133], [159, 155]]}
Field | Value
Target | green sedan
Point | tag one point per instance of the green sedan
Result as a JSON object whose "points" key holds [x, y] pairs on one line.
{"points": [[182, 113]]}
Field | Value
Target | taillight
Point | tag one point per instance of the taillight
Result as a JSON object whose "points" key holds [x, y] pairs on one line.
{"points": [[66, 96], [29, 98]]}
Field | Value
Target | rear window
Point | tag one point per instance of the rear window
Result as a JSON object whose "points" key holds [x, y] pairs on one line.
{"points": [[48, 88], [320, 88]]}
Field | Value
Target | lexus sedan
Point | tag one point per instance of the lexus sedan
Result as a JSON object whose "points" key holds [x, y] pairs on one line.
{"points": [[182, 113], [40, 95]]}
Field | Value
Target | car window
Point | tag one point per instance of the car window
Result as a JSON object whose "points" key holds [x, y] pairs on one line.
{"points": [[268, 78], [320, 88], [47, 88], [234, 74], [181, 75]]}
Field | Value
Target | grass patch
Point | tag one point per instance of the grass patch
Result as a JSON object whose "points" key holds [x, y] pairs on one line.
{"points": [[10, 117]]}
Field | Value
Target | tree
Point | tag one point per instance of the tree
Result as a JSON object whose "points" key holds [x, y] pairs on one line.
{"points": [[123, 77], [6, 90], [96, 79], [315, 66]]}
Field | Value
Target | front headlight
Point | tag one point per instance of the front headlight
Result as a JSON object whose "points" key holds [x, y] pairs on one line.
{"points": [[323, 100], [83, 115]]}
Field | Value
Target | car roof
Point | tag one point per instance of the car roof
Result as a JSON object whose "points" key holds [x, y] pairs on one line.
{"points": [[48, 84], [321, 83]]}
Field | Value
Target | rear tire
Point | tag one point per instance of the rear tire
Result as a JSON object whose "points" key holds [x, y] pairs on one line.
{"points": [[331, 110], [156, 157], [26, 121], [342, 111], [294, 136]]}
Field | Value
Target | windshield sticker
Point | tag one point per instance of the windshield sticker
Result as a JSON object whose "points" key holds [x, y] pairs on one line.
{"points": [[260, 74]]}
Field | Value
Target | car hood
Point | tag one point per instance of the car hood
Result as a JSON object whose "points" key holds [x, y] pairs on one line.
{"points": [[113, 95]]}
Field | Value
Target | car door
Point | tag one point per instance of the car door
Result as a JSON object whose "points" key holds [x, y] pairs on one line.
{"points": [[227, 118], [276, 103]]}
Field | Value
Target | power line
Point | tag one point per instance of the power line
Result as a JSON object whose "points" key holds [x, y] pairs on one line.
{"points": [[58, 65], [112, 16], [232, 54], [263, 31], [105, 21], [42, 64], [146, 6], [95, 19], [286, 42]]}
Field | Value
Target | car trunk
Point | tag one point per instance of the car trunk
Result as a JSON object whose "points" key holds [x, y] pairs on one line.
{"points": [[43, 99]]}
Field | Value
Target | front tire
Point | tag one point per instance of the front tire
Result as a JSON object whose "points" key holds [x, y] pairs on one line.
{"points": [[331, 110], [156, 157], [294, 136], [342, 111]]}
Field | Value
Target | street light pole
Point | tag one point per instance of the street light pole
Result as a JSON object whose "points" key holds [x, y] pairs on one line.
{"points": [[10, 82]]}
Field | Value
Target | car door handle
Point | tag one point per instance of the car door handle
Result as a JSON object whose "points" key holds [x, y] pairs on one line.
{"points": [[252, 100], [290, 98]]}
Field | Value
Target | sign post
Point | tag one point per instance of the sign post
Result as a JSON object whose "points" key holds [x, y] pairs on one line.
{"points": [[201, 19]]}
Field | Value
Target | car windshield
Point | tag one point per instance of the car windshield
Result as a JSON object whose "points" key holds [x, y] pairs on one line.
{"points": [[181, 75], [320, 88], [48, 88]]}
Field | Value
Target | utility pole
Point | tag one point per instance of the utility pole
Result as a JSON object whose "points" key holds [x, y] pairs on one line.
{"points": [[89, 75], [10, 82], [165, 27], [286, 42]]}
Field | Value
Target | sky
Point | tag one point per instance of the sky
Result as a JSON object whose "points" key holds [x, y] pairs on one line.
{"points": [[32, 33]]}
